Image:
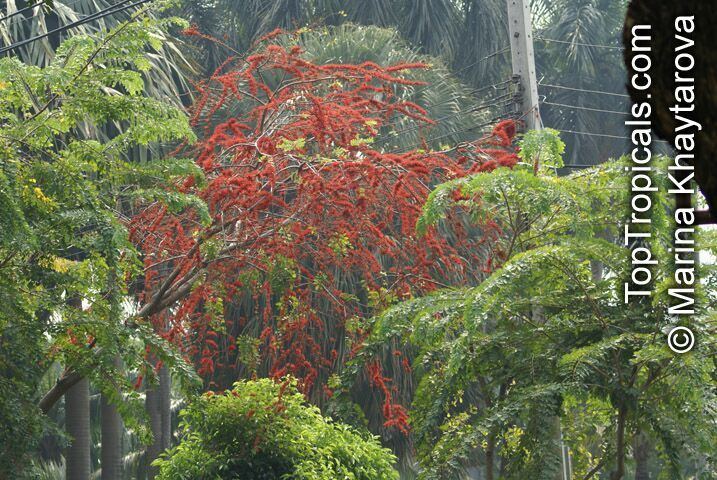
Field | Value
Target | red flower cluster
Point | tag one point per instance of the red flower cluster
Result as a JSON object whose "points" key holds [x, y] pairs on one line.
{"points": [[312, 227]]}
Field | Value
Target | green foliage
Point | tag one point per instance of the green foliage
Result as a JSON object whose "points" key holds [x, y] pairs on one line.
{"points": [[542, 148], [530, 209], [264, 429], [499, 364], [63, 188]]}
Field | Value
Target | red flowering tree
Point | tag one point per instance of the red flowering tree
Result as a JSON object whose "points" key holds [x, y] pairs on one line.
{"points": [[310, 228]]}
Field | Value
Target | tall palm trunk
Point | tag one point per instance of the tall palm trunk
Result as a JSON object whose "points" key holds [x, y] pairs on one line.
{"points": [[165, 407], [112, 429], [157, 404], [77, 424], [558, 435], [152, 405]]}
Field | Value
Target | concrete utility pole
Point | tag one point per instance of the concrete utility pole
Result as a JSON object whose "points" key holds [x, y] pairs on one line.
{"points": [[521, 48], [523, 59]]}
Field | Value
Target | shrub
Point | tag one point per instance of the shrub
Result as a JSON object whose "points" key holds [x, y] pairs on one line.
{"points": [[262, 429]]}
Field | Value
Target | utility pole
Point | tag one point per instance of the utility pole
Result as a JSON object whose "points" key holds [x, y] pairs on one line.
{"points": [[523, 59]]}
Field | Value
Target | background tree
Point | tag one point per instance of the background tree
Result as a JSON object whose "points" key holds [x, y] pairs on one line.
{"points": [[578, 50], [454, 31], [578, 46], [61, 19]]}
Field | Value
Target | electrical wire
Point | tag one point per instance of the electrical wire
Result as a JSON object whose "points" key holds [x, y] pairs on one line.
{"points": [[576, 107], [455, 132], [604, 135], [620, 137], [472, 93], [25, 19], [455, 74], [111, 10], [22, 10], [579, 165], [492, 121], [563, 87], [581, 44], [95, 16]]}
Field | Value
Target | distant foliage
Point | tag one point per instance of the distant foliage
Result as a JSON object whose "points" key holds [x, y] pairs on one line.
{"points": [[264, 430], [542, 148]]}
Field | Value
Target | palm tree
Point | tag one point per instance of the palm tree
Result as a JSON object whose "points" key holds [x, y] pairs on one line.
{"points": [[461, 33], [166, 79], [77, 424], [112, 428], [158, 406], [453, 105], [578, 47], [152, 405]]}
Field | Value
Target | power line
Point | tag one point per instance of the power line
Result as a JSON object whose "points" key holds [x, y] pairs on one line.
{"points": [[455, 74], [494, 87], [579, 165], [463, 130], [100, 14], [581, 44], [25, 19], [453, 132], [22, 10], [595, 134], [492, 121], [604, 135], [563, 87], [584, 108], [474, 93], [116, 8]]}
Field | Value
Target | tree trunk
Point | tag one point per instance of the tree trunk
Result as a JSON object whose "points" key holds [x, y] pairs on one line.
{"points": [[77, 424], [490, 457], [558, 435], [165, 406], [112, 429], [158, 406], [152, 405], [641, 448], [619, 471]]}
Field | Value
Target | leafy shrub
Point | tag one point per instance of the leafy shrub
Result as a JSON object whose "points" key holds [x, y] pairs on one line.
{"points": [[264, 430]]}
